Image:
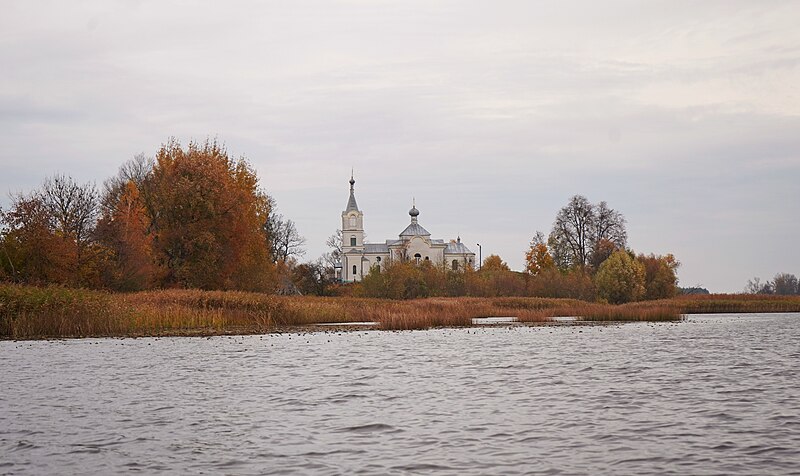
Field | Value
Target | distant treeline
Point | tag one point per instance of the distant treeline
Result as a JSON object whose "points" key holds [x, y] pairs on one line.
{"points": [[693, 290], [783, 284], [194, 217]]}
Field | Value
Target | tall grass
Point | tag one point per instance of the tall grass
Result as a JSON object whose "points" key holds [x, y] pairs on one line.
{"points": [[734, 303], [40, 312], [54, 311]]}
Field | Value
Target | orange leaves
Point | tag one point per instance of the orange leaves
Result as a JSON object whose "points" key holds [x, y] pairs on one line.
{"points": [[208, 217], [538, 259]]}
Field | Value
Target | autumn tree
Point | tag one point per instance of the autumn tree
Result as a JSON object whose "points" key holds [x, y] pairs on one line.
{"points": [[136, 171], [208, 215], [495, 278], [620, 279], [537, 258], [124, 228], [575, 283], [661, 280], [73, 210], [601, 251], [493, 264], [397, 280], [48, 234], [311, 278], [32, 250], [582, 230]]}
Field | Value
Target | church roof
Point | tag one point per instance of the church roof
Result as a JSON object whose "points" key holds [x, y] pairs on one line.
{"points": [[457, 247], [376, 248], [415, 229]]}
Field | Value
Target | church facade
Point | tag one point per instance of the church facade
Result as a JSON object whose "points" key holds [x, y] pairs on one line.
{"points": [[413, 244]]}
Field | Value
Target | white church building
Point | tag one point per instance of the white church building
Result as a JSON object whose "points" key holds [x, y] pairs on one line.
{"points": [[414, 244]]}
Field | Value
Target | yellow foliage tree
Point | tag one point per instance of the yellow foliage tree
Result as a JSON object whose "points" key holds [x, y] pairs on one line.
{"points": [[538, 259], [620, 279]]}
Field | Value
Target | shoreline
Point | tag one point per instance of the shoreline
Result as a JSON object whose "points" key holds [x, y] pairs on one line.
{"points": [[321, 328]]}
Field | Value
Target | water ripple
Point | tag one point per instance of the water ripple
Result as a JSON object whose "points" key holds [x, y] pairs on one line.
{"points": [[713, 395]]}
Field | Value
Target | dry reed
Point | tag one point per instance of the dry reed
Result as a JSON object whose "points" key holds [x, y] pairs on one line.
{"points": [[40, 312]]}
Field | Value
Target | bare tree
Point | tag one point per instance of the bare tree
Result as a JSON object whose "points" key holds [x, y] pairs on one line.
{"points": [[285, 240], [134, 170], [334, 243], [572, 230], [756, 286], [609, 224], [73, 208], [584, 233], [785, 284]]}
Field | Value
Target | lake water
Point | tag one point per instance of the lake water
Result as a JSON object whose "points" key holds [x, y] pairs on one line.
{"points": [[712, 395]]}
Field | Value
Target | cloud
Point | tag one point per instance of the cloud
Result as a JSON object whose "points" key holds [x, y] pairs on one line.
{"points": [[683, 115]]}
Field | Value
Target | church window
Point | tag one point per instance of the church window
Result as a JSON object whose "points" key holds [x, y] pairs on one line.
{"points": [[352, 241], [455, 264], [378, 259], [352, 222], [427, 258], [417, 257], [355, 271]]}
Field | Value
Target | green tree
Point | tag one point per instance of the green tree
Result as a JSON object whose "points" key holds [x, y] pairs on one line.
{"points": [[620, 279]]}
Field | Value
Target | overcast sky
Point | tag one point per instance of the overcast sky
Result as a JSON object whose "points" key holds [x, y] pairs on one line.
{"points": [[684, 116]]}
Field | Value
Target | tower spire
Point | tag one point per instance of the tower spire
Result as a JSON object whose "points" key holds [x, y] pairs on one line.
{"points": [[351, 202]]}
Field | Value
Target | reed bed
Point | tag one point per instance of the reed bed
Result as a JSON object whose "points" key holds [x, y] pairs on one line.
{"points": [[28, 312], [606, 312], [734, 303]]}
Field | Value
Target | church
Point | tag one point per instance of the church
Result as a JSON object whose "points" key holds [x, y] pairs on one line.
{"points": [[414, 243]]}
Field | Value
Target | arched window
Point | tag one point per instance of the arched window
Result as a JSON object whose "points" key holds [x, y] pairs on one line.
{"points": [[378, 259], [455, 264], [352, 241], [427, 258], [417, 257], [352, 222], [355, 271]]}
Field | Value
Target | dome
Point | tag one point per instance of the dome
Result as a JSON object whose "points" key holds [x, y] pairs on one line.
{"points": [[413, 212]]}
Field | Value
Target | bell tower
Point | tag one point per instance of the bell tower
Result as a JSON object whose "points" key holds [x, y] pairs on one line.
{"points": [[352, 237]]}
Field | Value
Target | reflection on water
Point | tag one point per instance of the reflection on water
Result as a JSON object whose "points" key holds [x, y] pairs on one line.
{"points": [[713, 395]]}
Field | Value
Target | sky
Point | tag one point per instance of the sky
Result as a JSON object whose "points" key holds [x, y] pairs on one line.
{"points": [[682, 115]]}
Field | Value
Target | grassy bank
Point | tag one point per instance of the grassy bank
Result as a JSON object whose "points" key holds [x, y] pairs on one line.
{"points": [[40, 312]]}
